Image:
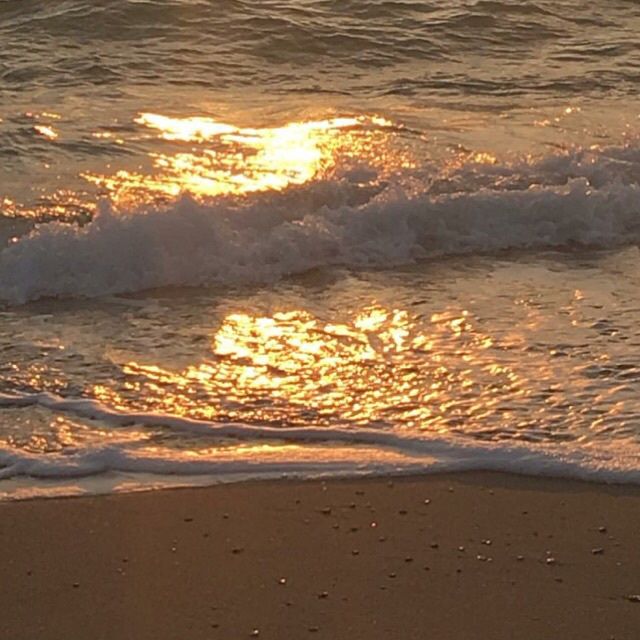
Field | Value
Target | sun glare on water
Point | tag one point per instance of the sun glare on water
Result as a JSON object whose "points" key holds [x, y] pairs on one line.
{"points": [[214, 158], [292, 368]]}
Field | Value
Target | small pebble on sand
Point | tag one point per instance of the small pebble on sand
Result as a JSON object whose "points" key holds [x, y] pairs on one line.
{"points": [[598, 551]]}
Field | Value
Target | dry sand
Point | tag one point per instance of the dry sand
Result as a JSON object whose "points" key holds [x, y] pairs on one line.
{"points": [[488, 556]]}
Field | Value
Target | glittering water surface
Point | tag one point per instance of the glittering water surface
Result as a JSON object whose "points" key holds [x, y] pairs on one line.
{"points": [[78, 77], [240, 239]]}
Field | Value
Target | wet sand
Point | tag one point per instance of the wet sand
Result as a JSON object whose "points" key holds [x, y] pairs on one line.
{"points": [[467, 556]]}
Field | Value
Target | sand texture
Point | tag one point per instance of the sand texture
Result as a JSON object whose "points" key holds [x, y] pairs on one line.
{"points": [[470, 556]]}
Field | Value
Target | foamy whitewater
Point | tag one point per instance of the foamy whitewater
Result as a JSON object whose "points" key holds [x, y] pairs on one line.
{"points": [[299, 239]]}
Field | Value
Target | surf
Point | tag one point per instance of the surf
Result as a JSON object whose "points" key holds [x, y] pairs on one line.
{"points": [[582, 197]]}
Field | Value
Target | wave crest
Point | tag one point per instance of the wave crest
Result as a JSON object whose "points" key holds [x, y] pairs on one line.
{"points": [[578, 198]]}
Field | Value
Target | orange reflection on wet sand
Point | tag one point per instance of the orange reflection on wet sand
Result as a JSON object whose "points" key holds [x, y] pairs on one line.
{"points": [[228, 160]]}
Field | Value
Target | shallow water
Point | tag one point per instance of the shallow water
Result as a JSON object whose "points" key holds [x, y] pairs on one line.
{"points": [[317, 238]]}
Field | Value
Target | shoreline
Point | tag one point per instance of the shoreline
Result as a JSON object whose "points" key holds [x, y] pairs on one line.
{"points": [[490, 555], [27, 489]]}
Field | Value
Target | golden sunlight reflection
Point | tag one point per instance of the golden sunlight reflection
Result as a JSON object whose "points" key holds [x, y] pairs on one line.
{"points": [[46, 131], [64, 205], [42, 432], [381, 366], [226, 160]]}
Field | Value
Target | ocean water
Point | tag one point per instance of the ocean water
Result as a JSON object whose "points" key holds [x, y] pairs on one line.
{"points": [[316, 238]]}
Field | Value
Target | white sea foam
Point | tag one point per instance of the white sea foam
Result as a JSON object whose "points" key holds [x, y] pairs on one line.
{"points": [[351, 451], [574, 198]]}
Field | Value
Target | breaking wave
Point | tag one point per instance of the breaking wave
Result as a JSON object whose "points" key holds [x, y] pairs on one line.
{"points": [[582, 197]]}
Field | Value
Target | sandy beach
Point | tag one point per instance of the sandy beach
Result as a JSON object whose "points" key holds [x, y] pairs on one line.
{"points": [[285, 245], [464, 556]]}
